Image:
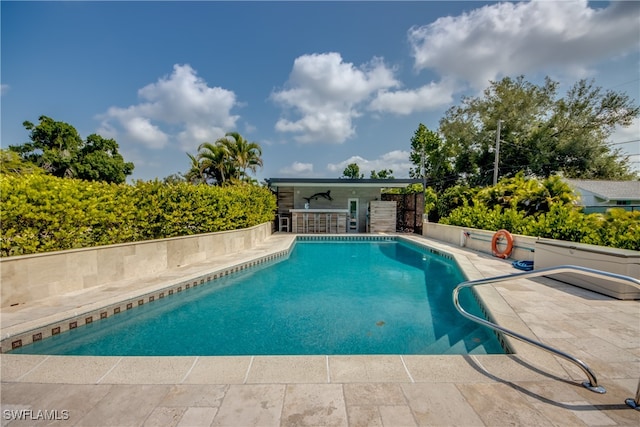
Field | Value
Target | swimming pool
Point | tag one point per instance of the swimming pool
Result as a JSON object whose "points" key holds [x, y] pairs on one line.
{"points": [[327, 297]]}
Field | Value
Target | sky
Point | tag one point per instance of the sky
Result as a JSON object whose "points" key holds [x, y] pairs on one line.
{"points": [[318, 85]]}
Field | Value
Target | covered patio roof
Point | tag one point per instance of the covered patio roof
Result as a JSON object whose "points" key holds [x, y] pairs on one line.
{"points": [[340, 182]]}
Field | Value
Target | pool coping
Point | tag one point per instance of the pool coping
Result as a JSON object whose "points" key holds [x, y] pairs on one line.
{"points": [[490, 300]]}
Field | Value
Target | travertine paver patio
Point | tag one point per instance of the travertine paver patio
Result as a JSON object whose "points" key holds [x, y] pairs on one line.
{"points": [[531, 387]]}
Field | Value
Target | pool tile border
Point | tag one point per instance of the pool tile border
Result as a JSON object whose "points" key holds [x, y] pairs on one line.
{"points": [[345, 238]]}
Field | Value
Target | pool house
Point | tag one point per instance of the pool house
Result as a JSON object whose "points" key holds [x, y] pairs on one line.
{"points": [[322, 205]]}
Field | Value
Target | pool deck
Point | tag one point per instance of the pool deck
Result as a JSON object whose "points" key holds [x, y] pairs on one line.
{"points": [[530, 387]]}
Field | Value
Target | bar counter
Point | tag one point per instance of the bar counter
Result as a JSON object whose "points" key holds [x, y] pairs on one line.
{"points": [[319, 220]]}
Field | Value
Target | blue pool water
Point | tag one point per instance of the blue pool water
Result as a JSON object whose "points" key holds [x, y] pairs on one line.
{"points": [[383, 297]]}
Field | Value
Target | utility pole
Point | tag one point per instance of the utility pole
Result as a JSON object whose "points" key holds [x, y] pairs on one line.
{"points": [[424, 171], [424, 181], [497, 159]]}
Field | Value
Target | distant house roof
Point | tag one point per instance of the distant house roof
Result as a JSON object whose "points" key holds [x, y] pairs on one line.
{"points": [[340, 182], [608, 190]]}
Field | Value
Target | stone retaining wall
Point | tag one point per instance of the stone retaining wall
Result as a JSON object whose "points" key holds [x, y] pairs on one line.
{"points": [[479, 240], [29, 278]]}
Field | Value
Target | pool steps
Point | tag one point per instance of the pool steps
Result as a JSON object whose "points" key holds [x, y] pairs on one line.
{"points": [[592, 383]]}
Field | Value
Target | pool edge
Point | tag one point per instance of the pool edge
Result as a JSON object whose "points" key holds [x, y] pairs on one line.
{"points": [[487, 297]]}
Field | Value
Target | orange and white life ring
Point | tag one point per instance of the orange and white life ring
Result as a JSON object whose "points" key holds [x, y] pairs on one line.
{"points": [[494, 244]]}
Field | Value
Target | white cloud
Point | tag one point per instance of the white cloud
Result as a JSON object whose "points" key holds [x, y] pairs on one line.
{"points": [[4, 88], [325, 93], [142, 130], [427, 97], [320, 125], [524, 37], [298, 169], [179, 108], [626, 139], [627, 133], [397, 160], [249, 128]]}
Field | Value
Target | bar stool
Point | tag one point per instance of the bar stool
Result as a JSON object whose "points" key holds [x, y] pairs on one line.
{"points": [[283, 223]]}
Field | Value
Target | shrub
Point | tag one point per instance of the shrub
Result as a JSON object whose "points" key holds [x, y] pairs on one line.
{"points": [[564, 222], [480, 216], [43, 213], [454, 197], [541, 208], [531, 195], [616, 228]]}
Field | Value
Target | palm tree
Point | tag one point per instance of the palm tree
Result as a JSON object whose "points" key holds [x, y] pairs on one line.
{"points": [[214, 162], [225, 161], [249, 154], [242, 154], [196, 174]]}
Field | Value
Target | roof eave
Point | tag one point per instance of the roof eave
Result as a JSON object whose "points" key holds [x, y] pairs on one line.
{"points": [[315, 182]]}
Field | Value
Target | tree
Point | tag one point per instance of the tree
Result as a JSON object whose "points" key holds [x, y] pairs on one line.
{"points": [[428, 151], [174, 178], [196, 174], [57, 148], [540, 133], [242, 154], [54, 146], [214, 163], [11, 163], [383, 174], [228, 160], [352, 171], [529, 195], [100, 161]]}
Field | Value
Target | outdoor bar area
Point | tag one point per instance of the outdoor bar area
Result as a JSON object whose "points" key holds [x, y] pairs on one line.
{"points": [[319, 220], [336, 206]]}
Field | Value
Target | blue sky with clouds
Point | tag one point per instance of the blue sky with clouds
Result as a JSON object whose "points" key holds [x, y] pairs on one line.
{"points": [[317, 84]]}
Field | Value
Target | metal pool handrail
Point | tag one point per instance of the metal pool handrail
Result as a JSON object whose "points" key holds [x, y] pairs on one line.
{"points": [[592, 384]]}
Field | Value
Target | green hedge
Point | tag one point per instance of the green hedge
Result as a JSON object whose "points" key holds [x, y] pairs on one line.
{"points": [[42, 213], [537, 207], [616, 228]]}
